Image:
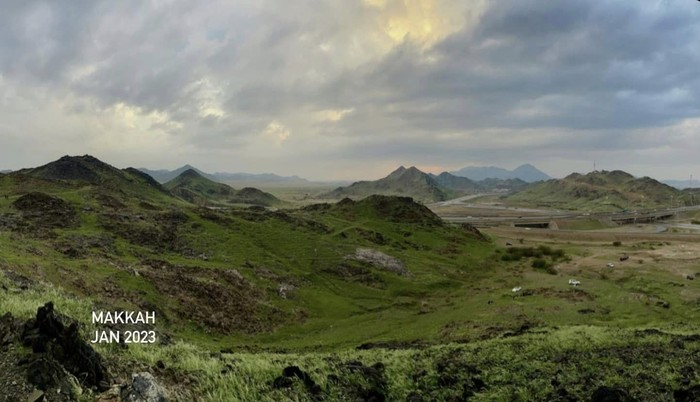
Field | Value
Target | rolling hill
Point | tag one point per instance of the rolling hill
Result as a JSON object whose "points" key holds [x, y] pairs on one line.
{"points": [[90, 175], [329, 301], [230, 276], [457, 183], [424, 187], [599, 191], [191, 186], [164, 176], [409, 182]]}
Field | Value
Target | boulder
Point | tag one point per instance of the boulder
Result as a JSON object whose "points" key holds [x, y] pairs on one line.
{"points": [[144, 388]]}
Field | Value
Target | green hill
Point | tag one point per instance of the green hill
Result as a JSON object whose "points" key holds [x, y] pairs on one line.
{"points": [[164, 176], [230, 286], [457, 183], [239, 276], [195, 188], [87, 178], [599, 191], [409, 182]]}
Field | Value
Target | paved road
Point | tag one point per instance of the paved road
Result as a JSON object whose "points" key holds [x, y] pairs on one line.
{"points": [[630, 217]]}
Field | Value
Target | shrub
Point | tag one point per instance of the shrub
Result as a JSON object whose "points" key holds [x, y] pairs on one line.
{"points": [[617, 243]]}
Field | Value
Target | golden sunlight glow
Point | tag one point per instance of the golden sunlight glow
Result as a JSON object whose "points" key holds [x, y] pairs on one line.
{"points": [[133, 118], [423, 22], [276, 132], [333, 115]]}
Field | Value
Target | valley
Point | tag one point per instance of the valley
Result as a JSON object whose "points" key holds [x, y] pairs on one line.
{"points": [[372, 297]]}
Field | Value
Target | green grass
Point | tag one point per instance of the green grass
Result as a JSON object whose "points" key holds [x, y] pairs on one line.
{"points": [[457, 299], [580, 357]]}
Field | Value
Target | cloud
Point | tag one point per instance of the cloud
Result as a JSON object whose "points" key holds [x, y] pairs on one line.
{"points": [[370, 82], [276, 133], [333, 115]]}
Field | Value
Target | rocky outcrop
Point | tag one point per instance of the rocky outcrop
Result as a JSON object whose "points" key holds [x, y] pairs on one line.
{"points": [[380, 260], [56, 340], [144, 388]]}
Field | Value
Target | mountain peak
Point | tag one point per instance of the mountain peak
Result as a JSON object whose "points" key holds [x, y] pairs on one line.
{"points": [[84, 168], [526, 172], [190, 173], [410, 182], [398, 172]]}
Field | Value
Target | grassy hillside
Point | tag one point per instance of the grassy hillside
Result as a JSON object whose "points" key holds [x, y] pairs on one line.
{"points": [[599, 191], [409, 182], [571, 363], [197, 189], [423, 187], [371, 296], [251, 276], [458, 183]]}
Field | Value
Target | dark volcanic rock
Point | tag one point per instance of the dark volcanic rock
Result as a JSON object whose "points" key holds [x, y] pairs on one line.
{"points": [[611, 394], [687, 395], [363, 383], [43, 210], [414, 397], [471, 229], [49, 336], [144, 388], [9, 329], [294, 371], [282, 382], [80, 168], [45, 372]]}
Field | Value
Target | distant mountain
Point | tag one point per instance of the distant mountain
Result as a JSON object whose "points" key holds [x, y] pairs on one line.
{"points": [[599, 191], [193, 187], [5, 171], [257, 178], [164, 176], [502, 185], [467, 186], [526, 172], [682, 184], [409, 182], [457, 183]]}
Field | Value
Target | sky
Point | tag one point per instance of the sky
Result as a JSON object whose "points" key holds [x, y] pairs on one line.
{"points": [[351, 89]]}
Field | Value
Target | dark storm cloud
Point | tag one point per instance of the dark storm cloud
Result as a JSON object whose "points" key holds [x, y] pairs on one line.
{"points": [[581, 65], [40, 40]]}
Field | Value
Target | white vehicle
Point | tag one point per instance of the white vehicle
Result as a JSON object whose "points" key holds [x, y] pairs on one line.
{"points": [[611, 265], [574, 282], [517, 289]]}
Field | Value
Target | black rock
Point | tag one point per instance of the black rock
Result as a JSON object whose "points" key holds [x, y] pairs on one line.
{"points": [[44, 372], [282, 382], [687, 395], [48, 334], [610, 394], [414, 397]]}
